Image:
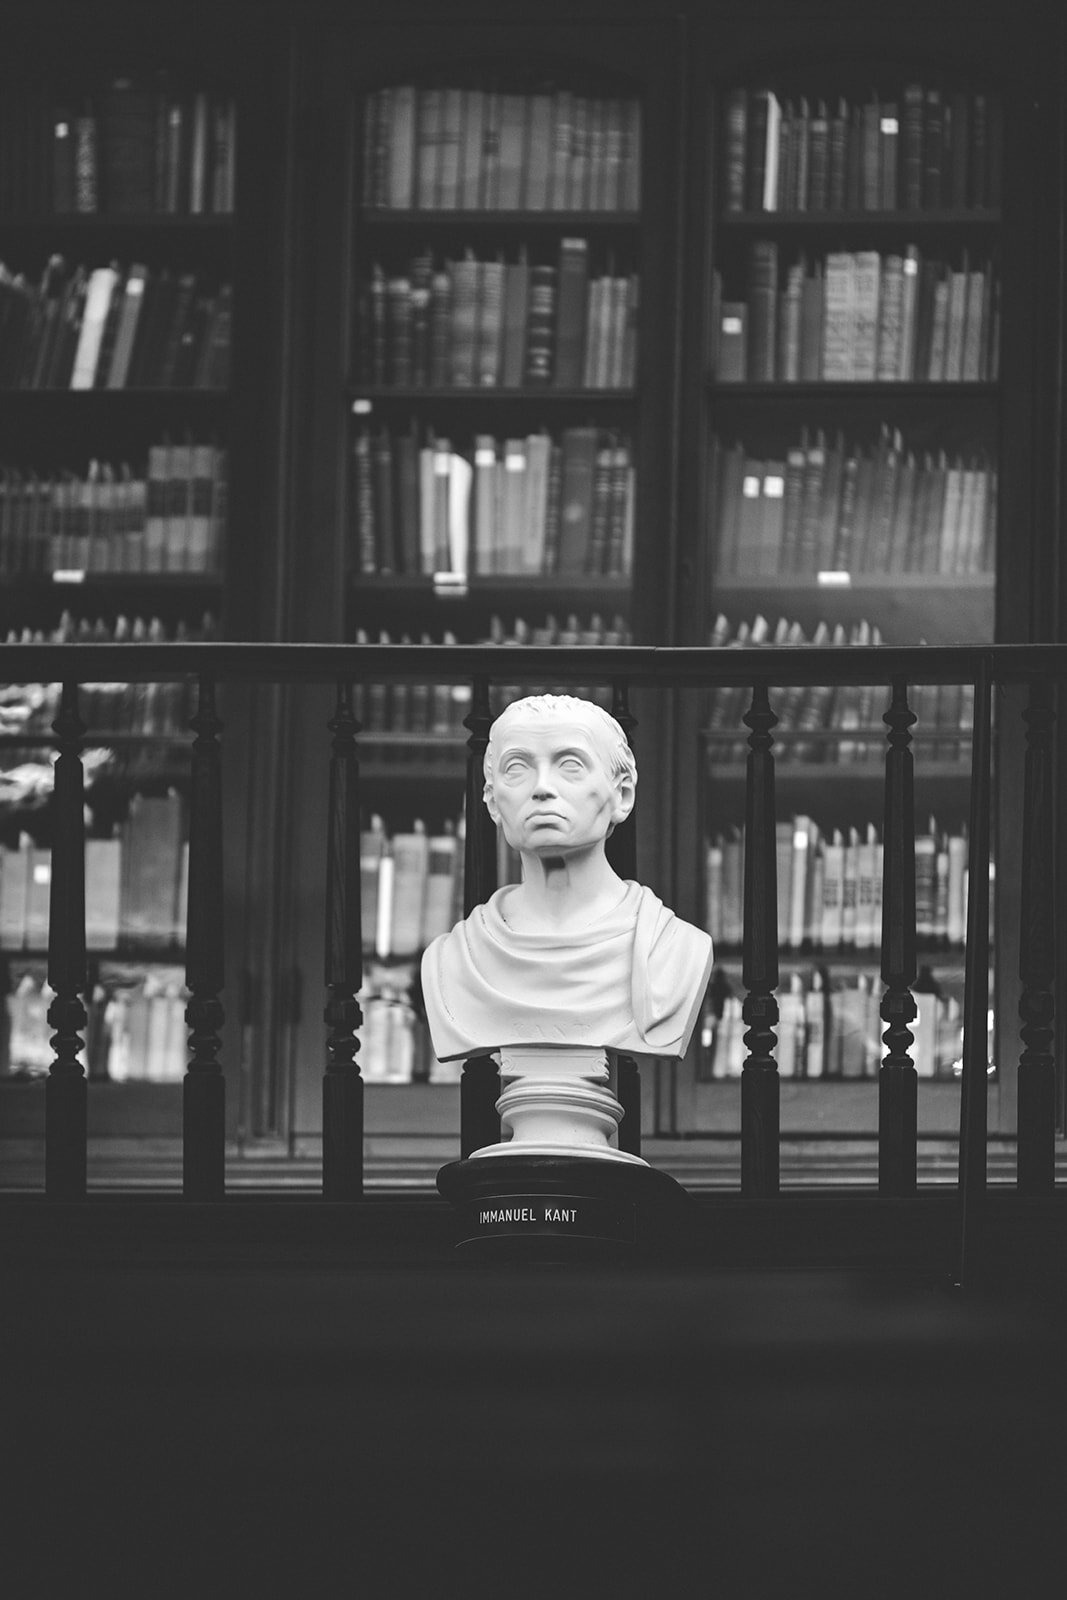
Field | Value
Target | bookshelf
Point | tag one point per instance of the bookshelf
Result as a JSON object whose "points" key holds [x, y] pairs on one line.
{"points": [[499, 276], [131, 206], [850, 420]]}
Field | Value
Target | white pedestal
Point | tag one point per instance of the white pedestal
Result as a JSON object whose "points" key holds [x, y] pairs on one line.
{"points": [[557, 1102]]}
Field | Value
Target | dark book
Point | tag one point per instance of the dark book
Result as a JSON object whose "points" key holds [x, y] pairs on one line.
{"points": [[63, 177], [911, 147], [72, 304], [366, 550], [763, 311], [838, 141], [440, 330], [756, 163], [109, 336], [603, 473], [735, 148], [933, 137], [516, 295], [86, 162], [978, 165], [384, 516], [819, 159], [213, 365], [160, 289], [191, 342], [854, 160], [127, 115], [180, 312], [540, 325], [421, 298], [578, 471], [958, 175], [406, 451], [572, 286], [398, 331]]}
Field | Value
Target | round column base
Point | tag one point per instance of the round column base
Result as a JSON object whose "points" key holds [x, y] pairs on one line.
{"points": [[548, 1208]]}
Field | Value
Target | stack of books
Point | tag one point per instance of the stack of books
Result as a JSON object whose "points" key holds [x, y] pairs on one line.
{"points": [[449, 148], [828, 505], [518, 506], [468, 323], [857, 316], [113, 327], [925, 148], [168, 518]]}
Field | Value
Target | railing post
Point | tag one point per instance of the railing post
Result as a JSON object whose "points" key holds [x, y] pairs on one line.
{"points": [[342, 1084], [621, 851], [1037, 955], [897, 1078], [974, 1088], [759, 1010], [479, 1088], [204, 1088], [65, 1090]]}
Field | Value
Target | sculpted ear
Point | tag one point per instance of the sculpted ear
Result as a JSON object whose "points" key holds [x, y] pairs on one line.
{"points": [[490, 802], [625, 795]]}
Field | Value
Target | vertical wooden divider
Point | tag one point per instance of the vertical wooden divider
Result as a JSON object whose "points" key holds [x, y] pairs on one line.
{"points": [[974, 1089], [479, 1090], [897, 1078], [342, 1084], [204, 1087], [759, 1010], [66, 1104], [1037, 954], [621, 851]]}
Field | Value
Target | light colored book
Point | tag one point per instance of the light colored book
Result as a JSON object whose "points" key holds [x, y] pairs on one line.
{"points": [[103, 283]]}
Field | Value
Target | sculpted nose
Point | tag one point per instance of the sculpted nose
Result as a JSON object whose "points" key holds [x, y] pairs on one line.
{"points": [[543, 787]]}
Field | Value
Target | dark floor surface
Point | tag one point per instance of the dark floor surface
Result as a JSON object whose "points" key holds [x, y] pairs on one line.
{"points": [[393, 1432]]}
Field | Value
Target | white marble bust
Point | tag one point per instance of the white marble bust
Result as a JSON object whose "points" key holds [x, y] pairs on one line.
{"points": [[573, 955]]}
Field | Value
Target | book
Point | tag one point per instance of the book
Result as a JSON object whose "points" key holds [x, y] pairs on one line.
{"points": [[571, 296], [578, 467], [410, 860], [441, 866], [102, 284], [540, 325], [103, 872]]}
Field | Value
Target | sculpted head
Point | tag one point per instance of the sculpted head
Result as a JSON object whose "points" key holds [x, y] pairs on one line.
{"points": [[559, 774]]}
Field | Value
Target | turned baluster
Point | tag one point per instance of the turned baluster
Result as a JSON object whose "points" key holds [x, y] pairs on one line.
{"points": [[204, 1088], [480, 1084], [759, 1011], [621, 851], [897, 1078], [342, 1084], [1037, 955], [65, 1090]]}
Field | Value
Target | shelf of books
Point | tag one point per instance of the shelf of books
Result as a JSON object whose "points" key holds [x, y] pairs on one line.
{"points": [[851, 405], [117, 199]]}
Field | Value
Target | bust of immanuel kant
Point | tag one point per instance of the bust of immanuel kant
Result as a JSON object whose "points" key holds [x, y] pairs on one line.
{"points": [[574, 954]]}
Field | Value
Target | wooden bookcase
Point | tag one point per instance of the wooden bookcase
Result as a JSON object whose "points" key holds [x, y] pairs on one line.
{"points": [[778, 411], [126, 145]]}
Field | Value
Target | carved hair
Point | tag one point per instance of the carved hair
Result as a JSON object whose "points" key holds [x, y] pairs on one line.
{"points": [[607, 732]]}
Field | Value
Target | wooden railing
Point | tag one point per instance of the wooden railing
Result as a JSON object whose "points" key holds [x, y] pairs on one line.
{"points": [[1039, 668]]}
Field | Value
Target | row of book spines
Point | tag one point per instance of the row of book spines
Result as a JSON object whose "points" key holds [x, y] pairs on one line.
{"points": [[172, 520], [134, 1031], [489, 324], [139, 150], [524, 505], [833, 1030], [136, 888], [411, 886], [830, 887], [108, 328], [858, 317], [144, 708], [440, 708], [58, 147], [137, 630], [825, 509], [480, 149], [926, 149]]}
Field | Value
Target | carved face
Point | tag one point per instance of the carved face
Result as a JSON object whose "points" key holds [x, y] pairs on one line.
{"points": [[552, 788]]}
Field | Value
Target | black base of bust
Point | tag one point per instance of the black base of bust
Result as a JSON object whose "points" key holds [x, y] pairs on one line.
{"points": [[530, 1208]]}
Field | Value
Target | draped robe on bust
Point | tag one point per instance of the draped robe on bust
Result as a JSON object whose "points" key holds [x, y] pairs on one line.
{"points": [[632, 982]]}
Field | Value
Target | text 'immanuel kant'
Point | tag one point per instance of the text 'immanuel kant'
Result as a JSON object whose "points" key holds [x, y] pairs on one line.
{"points": [[538, 1213]]}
